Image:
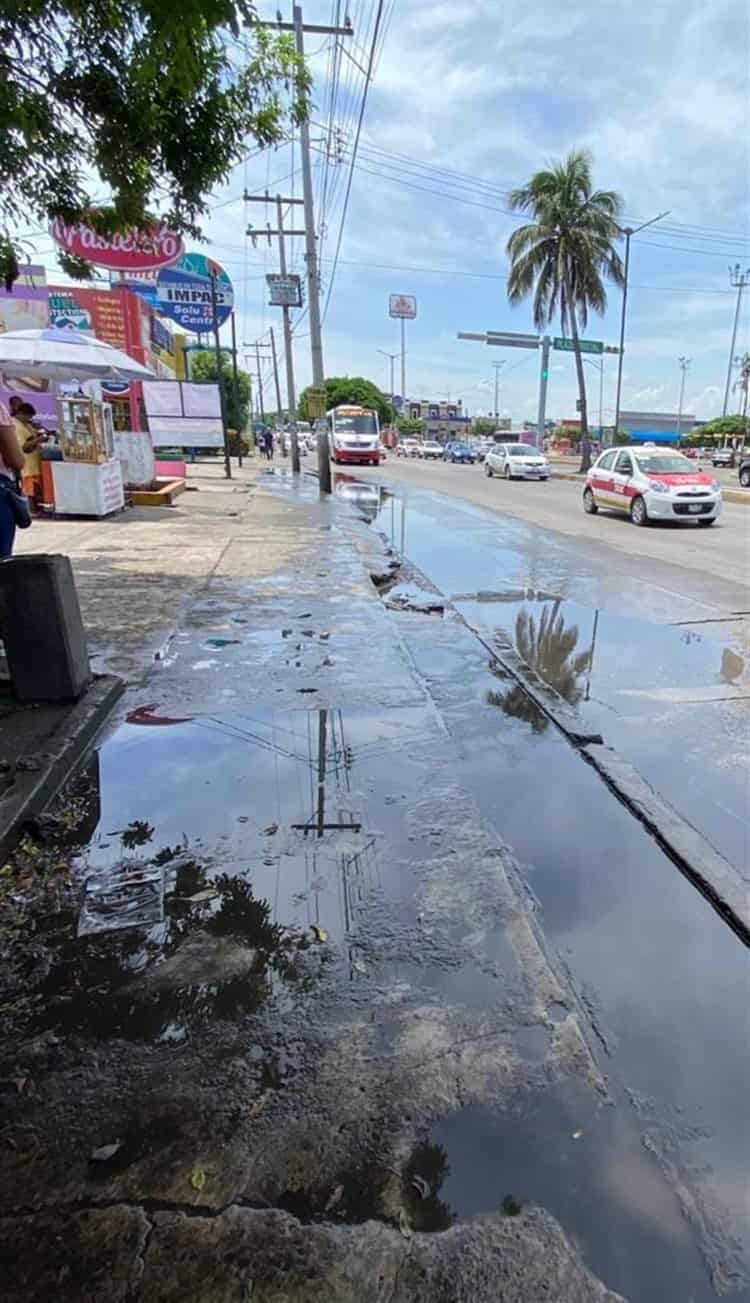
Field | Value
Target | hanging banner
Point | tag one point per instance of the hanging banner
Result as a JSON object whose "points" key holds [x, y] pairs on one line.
{"points": [[131, 250], [183, 292]]}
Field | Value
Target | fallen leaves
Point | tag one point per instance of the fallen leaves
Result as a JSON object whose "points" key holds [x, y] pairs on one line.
{"points": [[257, 1106], [209, 893], [405, 1226], [334, 1198], [197, 1178], [319, 933]]}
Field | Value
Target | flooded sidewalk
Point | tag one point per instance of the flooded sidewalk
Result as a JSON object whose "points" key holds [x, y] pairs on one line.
{"points": [[315, 988]]}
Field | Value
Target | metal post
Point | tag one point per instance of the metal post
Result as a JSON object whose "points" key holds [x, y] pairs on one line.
{"points": [[601, 400], [311, 259], [291, 400], [220, 375], [498, 367], [543, 375], [628, 233], [235, 379], [740, 281], [684, 364], [260, 384], [403, 359]]}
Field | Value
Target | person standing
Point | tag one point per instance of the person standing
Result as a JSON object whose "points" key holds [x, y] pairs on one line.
{"points": [[11, 463], [31, 438]]}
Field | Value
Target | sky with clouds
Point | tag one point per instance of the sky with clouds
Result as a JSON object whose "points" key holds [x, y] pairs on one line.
{"points": [[468, 99]]}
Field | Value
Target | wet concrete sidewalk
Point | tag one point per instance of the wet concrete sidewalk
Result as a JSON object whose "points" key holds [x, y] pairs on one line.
{"points": [[310, 996]]}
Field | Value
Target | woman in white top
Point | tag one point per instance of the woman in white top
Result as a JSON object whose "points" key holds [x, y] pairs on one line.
{"points": [[11, 462]]}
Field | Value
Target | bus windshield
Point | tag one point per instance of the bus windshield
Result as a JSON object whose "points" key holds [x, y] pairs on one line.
{"points": [[355, 423]]}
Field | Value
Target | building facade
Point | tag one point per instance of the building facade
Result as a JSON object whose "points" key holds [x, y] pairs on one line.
{"points": [[656, 427], [443, 420]]}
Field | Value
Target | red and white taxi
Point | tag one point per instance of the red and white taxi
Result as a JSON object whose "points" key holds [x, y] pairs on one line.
{"points": [[651, 483]]}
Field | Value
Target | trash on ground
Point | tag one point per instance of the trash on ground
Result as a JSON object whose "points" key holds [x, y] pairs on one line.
{"points": [[197, 1178], [105, 1152]]}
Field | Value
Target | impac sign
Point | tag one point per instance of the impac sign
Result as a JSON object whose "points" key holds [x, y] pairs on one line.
{"points": [[183, 292]]}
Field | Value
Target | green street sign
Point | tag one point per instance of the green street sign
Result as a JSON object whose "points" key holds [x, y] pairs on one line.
{"points": [[585, 345]]}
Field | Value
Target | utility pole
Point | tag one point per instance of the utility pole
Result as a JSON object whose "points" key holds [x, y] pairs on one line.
{"points": [[235, 379], [684, 366], [391, 358], [276, 374], [220, 375], [260, 383], [628, 231], [311, 254], [403, 358], [498, 368], [291, 400], [254, 232], [738, 280]]}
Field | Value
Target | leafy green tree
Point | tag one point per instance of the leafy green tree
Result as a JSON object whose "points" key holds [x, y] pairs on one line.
{"points": [[565, 254], [236, 397], [411, 426], [484, 425], [348, 389], [151, 103], [716, 431]]}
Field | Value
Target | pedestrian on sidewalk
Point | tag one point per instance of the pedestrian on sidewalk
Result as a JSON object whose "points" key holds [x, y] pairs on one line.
{"points": [[31, 437], [11, 463], [268, 442]]}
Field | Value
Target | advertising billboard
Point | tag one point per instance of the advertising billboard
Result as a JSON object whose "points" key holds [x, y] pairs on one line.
{"points": [[131, 250], [182, 415], [183, 292], [402, 305], [285, 291], [100, 311]]}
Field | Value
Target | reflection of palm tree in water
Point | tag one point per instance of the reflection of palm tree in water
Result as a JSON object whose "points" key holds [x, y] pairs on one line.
{"points": [[547, 647]]}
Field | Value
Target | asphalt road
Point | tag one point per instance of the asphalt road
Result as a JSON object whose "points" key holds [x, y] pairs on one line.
{"points": [[723, 551]]}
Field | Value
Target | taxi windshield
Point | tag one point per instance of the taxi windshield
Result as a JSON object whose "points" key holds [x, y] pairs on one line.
{"points": [[521, 450], [664, 463]]}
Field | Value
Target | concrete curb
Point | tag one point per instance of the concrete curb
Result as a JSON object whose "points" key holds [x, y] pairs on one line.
{"points": [[728, 495], [32, 790], [714, 876]]}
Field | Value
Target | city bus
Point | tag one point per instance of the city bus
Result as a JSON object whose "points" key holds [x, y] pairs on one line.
{"points": [[354, 435]]}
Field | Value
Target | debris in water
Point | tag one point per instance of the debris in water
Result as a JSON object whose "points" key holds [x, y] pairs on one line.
{"points": [[207, 894], [145, 715], [319, 933], [105, 1152], [577, 1135], [257, 1106], [422, 1188], [128, 894], [334, 1198], [223, 642], [198, 1178], [404, 1226], [270, 830]]}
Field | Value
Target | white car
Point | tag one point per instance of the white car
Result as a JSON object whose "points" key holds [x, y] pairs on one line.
{"points": [[516, 461], [430, 448], [407, 447], [650, 483]]}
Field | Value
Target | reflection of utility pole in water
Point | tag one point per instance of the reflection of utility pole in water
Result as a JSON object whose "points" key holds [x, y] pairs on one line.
{"points": [[591, 654], [403, 524], [322, 724]]}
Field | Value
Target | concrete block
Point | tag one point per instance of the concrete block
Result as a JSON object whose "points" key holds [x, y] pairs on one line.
{"points": [[40, 620]]}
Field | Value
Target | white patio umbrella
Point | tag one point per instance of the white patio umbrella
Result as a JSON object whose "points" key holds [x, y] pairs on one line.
{"points": [[66, 354]]}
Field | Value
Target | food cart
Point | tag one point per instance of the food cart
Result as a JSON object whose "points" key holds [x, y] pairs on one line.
{"points": [[88, 480]]}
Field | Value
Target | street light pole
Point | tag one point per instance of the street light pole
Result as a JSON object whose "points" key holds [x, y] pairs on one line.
{"points": [[628, 231], [684, 365], [740, 280], [391, 358], [498, 368]]}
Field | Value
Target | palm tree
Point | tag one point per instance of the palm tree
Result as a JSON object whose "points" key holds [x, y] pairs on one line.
{"points": [[565, 254]]}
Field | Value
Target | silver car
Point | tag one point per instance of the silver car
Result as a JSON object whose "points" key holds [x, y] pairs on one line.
{"points": [[516, 461]]}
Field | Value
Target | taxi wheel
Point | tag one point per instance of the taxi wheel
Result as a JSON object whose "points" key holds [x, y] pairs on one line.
{"points": [[745, 479], [589, 504], [705, 523], [638, 512], [507, 473]]}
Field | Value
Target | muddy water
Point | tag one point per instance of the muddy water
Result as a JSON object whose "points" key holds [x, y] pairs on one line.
{"points": [[672, 699]]}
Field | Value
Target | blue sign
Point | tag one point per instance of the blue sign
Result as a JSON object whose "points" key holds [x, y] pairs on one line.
{"points": [[183, 292]]}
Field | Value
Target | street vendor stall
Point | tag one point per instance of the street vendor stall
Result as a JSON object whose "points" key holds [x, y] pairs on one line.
{"points": [[88, 480]]}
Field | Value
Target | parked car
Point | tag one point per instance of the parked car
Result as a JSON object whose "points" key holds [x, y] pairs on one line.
{"points": [[430, 450], [744, 475], [516, 461], [723, 457], [651, 483], [458, 452]]}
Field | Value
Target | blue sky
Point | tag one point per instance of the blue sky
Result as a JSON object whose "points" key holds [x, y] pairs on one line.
{"points": [[659, 94]]}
